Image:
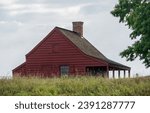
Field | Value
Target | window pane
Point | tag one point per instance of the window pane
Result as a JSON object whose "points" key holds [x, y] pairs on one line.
{"points": [[64, 70]]}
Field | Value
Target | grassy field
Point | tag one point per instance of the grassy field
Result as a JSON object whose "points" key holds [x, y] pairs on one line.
{"points": [[94, 86]]}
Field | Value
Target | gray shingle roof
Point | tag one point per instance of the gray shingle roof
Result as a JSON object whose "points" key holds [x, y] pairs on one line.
{"points": [[86, 47]]}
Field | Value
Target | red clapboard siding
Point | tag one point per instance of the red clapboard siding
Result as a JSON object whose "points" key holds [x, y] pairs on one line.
{"points": [[55, 51], [20, 70]]}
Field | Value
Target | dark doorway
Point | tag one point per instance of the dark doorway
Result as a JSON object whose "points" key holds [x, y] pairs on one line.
{"points": [[96, 70]]}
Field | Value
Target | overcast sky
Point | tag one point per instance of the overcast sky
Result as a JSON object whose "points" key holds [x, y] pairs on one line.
{"points": [[24, 23]]}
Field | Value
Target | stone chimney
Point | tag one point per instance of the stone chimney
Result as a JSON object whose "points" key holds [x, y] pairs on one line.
{"points": [[78, 27]]}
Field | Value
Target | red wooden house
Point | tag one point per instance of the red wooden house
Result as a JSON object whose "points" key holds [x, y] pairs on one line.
{"points": [[66, 52]]}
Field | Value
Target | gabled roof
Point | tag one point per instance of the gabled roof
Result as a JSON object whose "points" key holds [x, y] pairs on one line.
{"points": [[20, 66], [86, 47]]}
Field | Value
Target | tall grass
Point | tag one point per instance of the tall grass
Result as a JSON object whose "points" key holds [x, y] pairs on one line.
{"points": [[87, 86]]}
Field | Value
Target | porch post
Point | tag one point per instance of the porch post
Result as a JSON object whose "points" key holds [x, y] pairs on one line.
{"points": [[113, 73], [124, 73], [107, 72], [118, 73], [129, 73]]}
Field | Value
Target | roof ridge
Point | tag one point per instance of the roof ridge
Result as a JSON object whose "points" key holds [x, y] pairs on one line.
{"points": [[64, 29], [67, 30]]}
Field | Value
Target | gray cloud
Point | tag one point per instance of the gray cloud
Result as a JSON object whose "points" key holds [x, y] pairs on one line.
{"points": [[4, 14], [58, 2]]}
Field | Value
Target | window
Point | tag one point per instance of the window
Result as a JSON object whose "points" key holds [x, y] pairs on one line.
{"points": [[64, 70]]}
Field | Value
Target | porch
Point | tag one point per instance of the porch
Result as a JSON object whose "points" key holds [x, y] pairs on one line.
{"points": [[109, 71]]}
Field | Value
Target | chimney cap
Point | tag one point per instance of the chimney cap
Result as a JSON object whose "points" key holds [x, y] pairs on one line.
{"points": [[78, 22]]}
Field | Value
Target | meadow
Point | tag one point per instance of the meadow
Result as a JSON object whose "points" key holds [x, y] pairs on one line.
{"points": [[75, 86]]}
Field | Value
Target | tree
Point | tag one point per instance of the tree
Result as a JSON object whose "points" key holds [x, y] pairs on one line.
{"points": [[136, 15]]}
